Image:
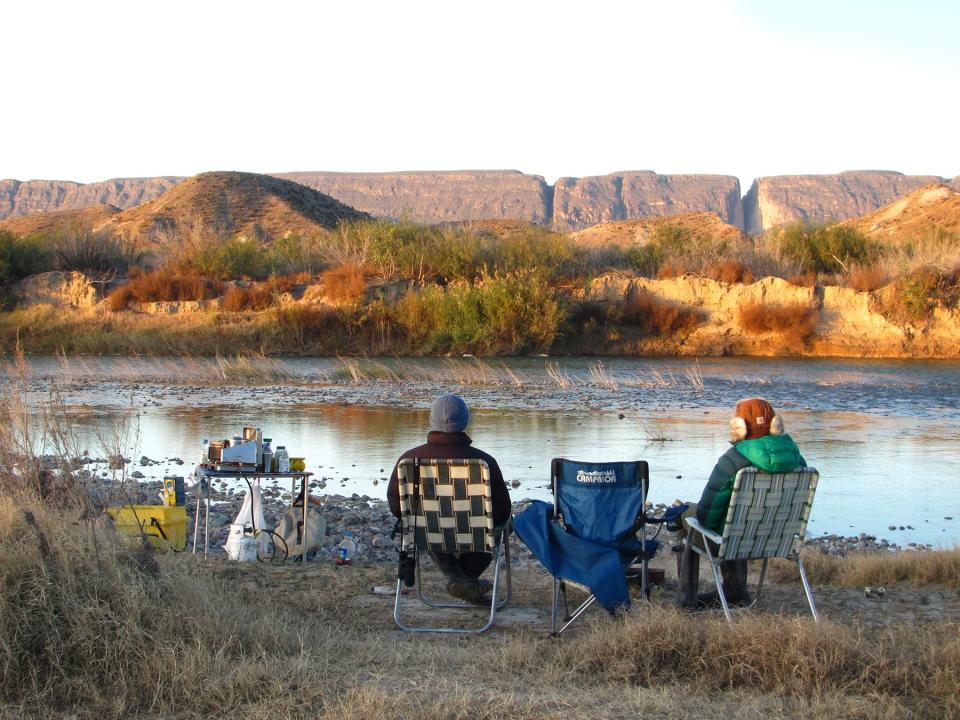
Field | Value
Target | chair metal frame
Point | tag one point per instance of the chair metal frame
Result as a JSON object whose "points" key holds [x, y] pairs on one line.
{"points": [[560, 584], [757, 529], [415, 537]]}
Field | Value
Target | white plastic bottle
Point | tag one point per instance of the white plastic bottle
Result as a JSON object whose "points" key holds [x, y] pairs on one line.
{"points": [[204, 452], [283, 459], [346, 550]]}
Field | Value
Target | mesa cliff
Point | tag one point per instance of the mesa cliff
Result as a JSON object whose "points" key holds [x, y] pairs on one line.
{"points": [[36, 196], [773, 201], [571, 204]]}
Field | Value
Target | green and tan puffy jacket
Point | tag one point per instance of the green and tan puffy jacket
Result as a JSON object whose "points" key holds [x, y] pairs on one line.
{"points": [[770, 453]]}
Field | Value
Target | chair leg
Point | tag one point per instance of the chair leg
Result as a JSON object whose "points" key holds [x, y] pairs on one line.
{"points": [[714, 566], [556, 606], [645, 580], [763, 574], [808, 591], [494, 605], [506, 557], [715, 569]]}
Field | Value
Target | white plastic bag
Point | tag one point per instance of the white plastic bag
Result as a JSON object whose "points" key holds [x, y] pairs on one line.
{"points": [[251, 510], [290, 529]]}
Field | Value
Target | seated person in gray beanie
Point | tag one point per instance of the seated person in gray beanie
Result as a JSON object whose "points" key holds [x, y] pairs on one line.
{"points": [[447, 440]]}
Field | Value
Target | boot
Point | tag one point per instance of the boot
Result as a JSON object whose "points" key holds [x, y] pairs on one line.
{"points": [[476, 592], [734, 574], [688, 579]]}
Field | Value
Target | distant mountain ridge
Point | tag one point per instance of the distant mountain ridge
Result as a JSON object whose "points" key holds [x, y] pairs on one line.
{"points": [[571, 204]]}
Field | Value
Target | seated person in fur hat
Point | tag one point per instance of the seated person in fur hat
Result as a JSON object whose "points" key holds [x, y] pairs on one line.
{"points": [[759, 440], [447, 440]]}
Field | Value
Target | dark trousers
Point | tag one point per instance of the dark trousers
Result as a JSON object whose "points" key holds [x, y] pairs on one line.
{"points": [[462, 566], [733, 573]]}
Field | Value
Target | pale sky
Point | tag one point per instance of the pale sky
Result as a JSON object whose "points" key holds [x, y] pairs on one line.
{"points": [[93, 90]]}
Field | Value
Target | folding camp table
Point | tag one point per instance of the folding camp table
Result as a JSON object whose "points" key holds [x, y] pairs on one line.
{"points": [[252, 477]]}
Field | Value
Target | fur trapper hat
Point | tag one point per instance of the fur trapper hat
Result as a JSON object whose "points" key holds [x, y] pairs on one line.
{"points": [[754, 418]]}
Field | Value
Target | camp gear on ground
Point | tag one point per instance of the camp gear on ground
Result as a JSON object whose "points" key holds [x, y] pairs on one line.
{"points": [[290, 530], [164, 527]]}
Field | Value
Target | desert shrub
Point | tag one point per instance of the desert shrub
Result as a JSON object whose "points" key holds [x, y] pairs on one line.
{"points": [[163, 285], [95, 253], [235, 258], [539, 251], [866, 278], [294, 255], [504, 314], [303, 323], [346, 283], [825, 249], [644, 259], [672, 251], [732, 271], [409, 251], [807, 279], [21, 257], [654, 316], [918, 292], [256, 296], [794, 322]]}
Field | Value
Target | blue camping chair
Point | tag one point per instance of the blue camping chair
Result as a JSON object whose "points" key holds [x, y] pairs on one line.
{"points": [[589, 536]]}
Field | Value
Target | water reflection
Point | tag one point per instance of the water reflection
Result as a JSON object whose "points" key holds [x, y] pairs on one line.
{"points": [[875, 471]]}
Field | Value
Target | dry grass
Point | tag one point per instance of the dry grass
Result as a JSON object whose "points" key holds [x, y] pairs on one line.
{"points": [[345, 284], [728, 270], [653, 316], [795, 323], [90, 627], [96, 628], [163, 285], [256, 296], [933, 567], [866, 278]]}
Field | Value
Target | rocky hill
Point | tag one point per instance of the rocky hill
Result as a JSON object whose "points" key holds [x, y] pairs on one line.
{"points": [[922, 211], [60, 221], [230, 203], [23, 198], [637, 232], [773, 201]]}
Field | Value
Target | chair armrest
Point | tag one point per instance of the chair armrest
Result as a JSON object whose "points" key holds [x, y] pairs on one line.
{"points": [[709, 534]]}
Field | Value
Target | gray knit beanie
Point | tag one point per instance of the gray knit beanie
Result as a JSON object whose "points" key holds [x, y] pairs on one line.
{"points": [[449, 414]]}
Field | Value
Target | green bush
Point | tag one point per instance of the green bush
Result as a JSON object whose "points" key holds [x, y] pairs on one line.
{"points": [[235, 258], [21, 257], [677, 248], [503, 314], [826, 249], [96, 253], [409, 251], [921, 291]]}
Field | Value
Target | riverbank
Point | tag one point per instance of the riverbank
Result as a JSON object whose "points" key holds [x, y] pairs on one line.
{"points": [[611, 315], [179, 637]]}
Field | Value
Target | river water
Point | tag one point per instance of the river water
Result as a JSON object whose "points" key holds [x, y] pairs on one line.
{"points": [[885, 435]]}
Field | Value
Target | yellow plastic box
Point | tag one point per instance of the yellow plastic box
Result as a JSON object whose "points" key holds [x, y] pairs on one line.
{"points": [[165, 527]]}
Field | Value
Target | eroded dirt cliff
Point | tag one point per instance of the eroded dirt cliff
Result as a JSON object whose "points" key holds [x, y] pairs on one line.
{"points": [[843, 322]]}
